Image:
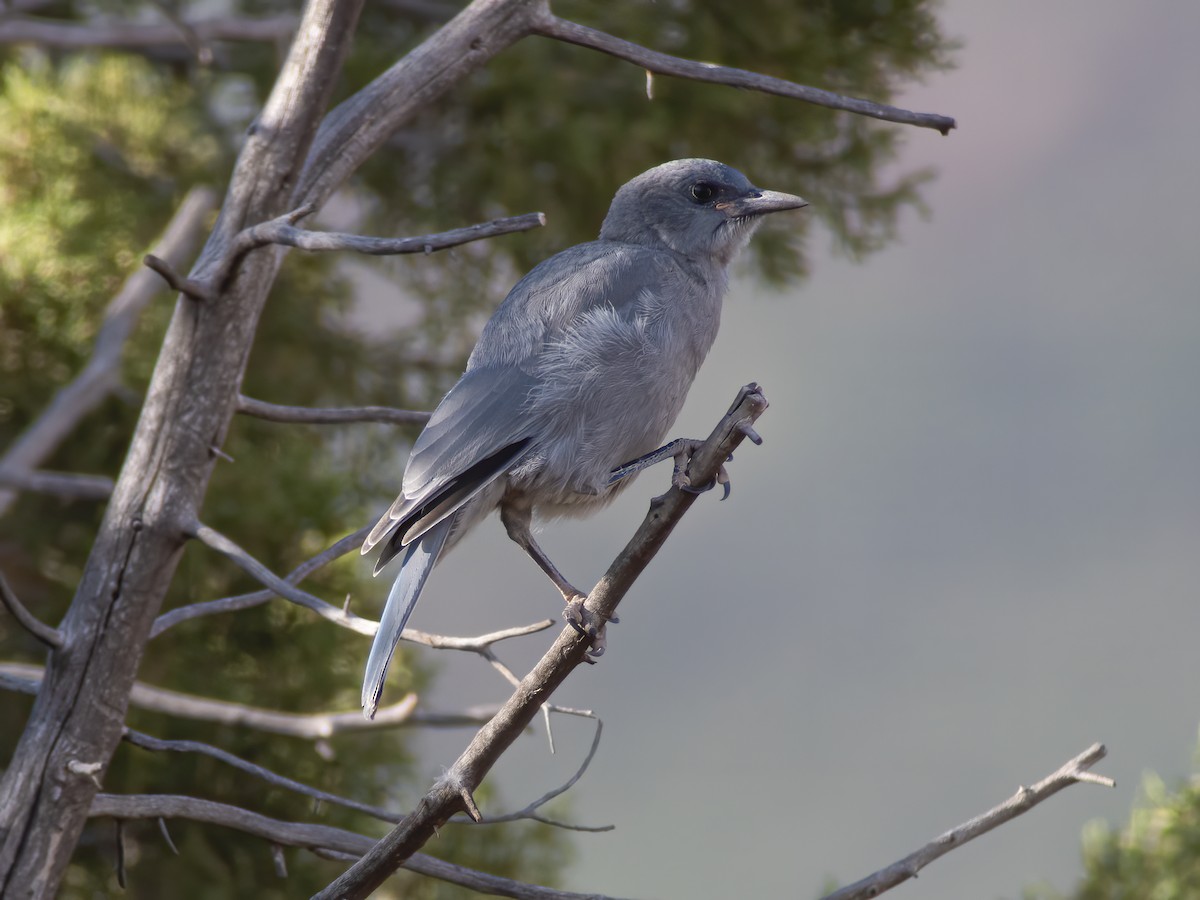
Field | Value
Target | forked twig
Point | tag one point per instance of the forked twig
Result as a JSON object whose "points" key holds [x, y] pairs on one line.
{"points": [[1071, 772]]}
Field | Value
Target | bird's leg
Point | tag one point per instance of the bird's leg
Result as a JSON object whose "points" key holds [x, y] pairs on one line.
{"points": [[681, 450], [517, 521]]}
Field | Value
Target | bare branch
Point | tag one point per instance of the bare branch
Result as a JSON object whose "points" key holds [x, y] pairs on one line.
{"points": [[321, 839], [283, 230], [25, 678], [246, 601], [65, 485], [306, 415], [1023, 800], [227, 548], [138, 36], [148, 742], [445, 798], [102, 374], [474, 644], [286, 589], [176, 282], [531, 811], [551, 26], [27, 620]]}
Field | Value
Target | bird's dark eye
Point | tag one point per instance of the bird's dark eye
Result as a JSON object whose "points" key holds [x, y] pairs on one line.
{"points": [[702, 192]]}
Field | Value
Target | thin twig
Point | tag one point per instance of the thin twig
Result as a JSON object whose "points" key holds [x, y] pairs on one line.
{"points": [[286, 589], [531, 811], [306, 415], [1023, 800], [551, 26], [140, 36], [246, 601], [474, 644], [215, 540], [321, 839], [64, 485], [283, 230], [27, 620], [149, 742], [25, 678]]}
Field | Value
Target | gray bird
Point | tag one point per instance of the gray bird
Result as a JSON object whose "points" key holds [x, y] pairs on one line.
{"points": [[575, 380]]}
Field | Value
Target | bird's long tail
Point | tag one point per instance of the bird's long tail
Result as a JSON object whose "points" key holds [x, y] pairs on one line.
{"points": [[419, 559]]}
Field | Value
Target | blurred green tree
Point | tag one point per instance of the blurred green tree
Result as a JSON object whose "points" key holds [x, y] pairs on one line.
{"points": [[96, 150], [1155, 856]]}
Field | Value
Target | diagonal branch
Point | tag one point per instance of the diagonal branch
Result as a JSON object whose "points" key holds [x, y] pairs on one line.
{"points": [[246, 601], [551, 26], [317, 838], [287, 590], [227, 548], [1072, 772], [149, 742], [101, 374], [306, 415], [451, 794], [27, 620]]}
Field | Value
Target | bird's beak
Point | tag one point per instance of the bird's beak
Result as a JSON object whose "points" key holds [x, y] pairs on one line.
{"points": [[757, 202]]}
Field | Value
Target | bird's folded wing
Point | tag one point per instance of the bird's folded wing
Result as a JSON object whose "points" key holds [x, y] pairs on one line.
{"points": [[478, 432]]}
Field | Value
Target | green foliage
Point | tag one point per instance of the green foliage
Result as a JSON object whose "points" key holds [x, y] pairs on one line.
{"points": [[95, 152], [1156, 856]]}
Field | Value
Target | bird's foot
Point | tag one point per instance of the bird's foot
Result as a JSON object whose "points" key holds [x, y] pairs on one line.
{"points": [[588, 624], [681, 479], [683, 458]]}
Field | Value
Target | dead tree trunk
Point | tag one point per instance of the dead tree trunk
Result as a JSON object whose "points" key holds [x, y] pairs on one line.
{"points": [[80, 709]]}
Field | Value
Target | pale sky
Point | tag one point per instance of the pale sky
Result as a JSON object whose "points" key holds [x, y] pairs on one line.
{"points": [[970, 545]]}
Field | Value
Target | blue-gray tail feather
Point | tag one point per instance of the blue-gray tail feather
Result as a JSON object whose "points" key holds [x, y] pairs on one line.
{"points": [[419, 559]]}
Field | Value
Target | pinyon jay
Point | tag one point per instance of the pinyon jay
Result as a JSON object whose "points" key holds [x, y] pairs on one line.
{"points": [[582, 368]]}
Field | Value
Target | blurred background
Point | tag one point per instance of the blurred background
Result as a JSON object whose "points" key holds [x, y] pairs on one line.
{"points": [[966, 550]]}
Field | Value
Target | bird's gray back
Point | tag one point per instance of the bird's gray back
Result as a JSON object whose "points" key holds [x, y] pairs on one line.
{"points": [[590, 357]]}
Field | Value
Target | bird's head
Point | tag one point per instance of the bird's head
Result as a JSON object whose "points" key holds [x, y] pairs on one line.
{"points": [[698, 207]]}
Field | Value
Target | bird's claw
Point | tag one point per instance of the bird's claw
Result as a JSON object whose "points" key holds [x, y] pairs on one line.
{"points": [[681, 480], [589, 625]]}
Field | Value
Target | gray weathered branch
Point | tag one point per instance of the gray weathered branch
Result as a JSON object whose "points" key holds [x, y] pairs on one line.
{"points": [[552, 26], [63, 35], [1072, 772], [246, 601], [64, 485], [306, 415], [25, 678], [453, 791], [149, 742], [247, 563], [102, 374], [531, 811], [286, 589], [283, 230], [311, 837]]}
